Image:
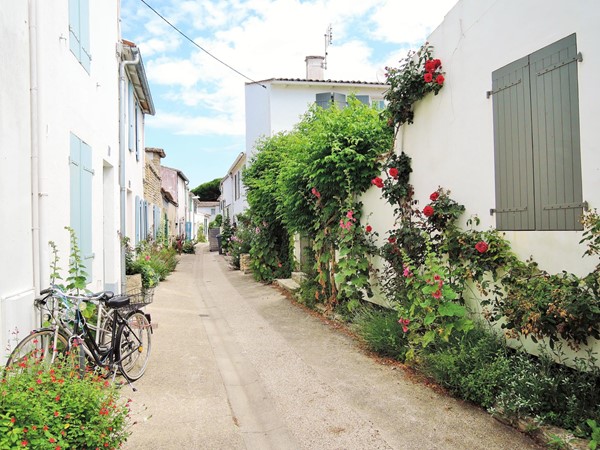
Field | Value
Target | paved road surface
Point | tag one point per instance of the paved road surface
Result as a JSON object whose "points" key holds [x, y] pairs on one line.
{"points": [[235, 365]]}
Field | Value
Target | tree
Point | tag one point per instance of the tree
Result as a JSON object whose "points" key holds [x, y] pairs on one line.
{"points": [[209, 191]]}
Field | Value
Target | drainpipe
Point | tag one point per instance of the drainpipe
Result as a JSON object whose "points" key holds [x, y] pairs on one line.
{"points": [[122, 151], [35, 144]]}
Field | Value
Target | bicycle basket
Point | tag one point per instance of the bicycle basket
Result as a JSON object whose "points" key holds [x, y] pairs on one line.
{"points": [[141, 296]]}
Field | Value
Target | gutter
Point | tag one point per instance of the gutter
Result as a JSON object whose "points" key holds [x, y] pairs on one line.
{"points": [[34, 105], [122, 153]]}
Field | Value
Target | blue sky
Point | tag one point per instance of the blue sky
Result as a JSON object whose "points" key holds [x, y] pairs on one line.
{"points": [[199, 102]]}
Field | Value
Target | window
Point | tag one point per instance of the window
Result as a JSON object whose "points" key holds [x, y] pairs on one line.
{"points": [[325, 100], [81, 173], [79, 31], [536, 141], [213, 211]]}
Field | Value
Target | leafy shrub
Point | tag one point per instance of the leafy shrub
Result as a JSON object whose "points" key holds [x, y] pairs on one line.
{"points": [[474, 366], [45, 407], [381, 331], [188, 247]]}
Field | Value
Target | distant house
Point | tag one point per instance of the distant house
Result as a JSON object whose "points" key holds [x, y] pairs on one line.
{"points": [[175, 186], [210, 208], [277, 104], [233, 198], [152, 192], [74, 97]]}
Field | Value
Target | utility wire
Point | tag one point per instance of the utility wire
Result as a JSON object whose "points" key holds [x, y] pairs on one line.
{"points": [[194, 43]]}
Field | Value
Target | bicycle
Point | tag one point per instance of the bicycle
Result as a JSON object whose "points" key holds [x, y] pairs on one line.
{"points": [[119, 342]]}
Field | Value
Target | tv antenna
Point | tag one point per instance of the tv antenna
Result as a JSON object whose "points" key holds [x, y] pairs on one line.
{"points": [[328, 41]]}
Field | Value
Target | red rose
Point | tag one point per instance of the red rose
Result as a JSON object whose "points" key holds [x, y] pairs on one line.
{"points": [[433, 197], [481, 247], [394, 172], [440, 79], [429, 65], [428, 77], [391, 239], [436, 63], [377, 182], [368, 228], [428, 211]]}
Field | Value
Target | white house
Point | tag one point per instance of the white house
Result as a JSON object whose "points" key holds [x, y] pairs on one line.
{"points": [[60, 149], [277, 104], [233, 194], [175, 184], [513, 133]]}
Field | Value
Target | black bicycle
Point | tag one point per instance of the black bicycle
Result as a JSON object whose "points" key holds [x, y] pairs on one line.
{"points": [[120, 340]]}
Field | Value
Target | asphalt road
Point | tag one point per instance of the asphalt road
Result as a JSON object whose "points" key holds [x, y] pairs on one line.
{"points": [[236, 365]]}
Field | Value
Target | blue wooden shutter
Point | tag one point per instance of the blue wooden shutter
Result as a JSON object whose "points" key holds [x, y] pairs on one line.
{"points": [[74, 29], [137, 220], [515, 208], [131, 110], [86, 199], [556, 146], [84, 36], [75, 181], [364, 99], [323, 100]]}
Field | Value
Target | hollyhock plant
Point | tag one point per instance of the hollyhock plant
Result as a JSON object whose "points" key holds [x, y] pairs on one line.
{"points": [[315, 192], [404, 322]]}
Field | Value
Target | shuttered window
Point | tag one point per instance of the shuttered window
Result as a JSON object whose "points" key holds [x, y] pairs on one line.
{"points": [[81, 175], [79, 31], [326, 99], [536, 141]]}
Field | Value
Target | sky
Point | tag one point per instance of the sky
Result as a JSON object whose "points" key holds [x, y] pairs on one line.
{"points": [[199, 101]]}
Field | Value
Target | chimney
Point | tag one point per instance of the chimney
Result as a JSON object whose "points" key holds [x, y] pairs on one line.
{"points": [[315, 67]]}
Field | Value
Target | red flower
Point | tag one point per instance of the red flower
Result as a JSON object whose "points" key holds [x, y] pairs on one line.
{"points": [[481, 247], [428, 211], [428, 77], [368, 228], [24, 443], [430, 65], [437, 294], [315, 192], [56, 414], [393, 172], [434, 196], [377, 182], [391, 239], [440, 79], [436, 63], [52, 440]]}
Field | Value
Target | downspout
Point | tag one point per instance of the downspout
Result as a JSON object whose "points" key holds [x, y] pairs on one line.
{"points": [[122, 145], [34, 105]]}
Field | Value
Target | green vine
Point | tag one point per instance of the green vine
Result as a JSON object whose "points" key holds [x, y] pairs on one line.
{"points": [[417, 75]]}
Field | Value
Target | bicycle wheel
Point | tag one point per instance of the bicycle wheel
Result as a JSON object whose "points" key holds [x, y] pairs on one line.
{"points": [[39, 346], [133, 345]]}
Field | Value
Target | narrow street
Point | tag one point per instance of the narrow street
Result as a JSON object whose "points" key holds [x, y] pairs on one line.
{"points": [[236, 365]]}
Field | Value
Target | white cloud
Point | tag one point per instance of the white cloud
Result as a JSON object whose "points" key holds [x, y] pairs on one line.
{"points": [[264, 39]]}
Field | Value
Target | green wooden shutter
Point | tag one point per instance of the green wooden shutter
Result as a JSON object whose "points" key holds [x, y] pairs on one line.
{"points": [[556, 147], [512, 147], [84, 29]]}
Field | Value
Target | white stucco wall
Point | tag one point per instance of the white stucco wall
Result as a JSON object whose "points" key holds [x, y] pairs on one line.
{"points": [[16, 266], [451, 141]]}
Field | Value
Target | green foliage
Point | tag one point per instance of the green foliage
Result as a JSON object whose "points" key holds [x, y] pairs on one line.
{"points": [[200, 236], [52, 407], [380, 330], [77, 278], [209, 191], [217, 222], [417, 75], [241, 240], [153, 260], [594, 434], [226, 234]]}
